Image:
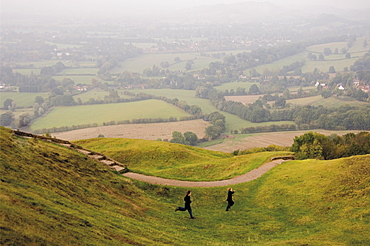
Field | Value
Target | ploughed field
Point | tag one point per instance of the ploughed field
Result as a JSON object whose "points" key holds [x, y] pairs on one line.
{"points": [[151, 131], [249, 141]]}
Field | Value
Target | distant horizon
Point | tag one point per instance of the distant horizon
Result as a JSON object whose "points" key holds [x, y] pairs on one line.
{"points": [[98, 8]]}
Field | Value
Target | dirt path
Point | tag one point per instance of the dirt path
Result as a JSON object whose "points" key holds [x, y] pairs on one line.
{"points": [[256, 173]]}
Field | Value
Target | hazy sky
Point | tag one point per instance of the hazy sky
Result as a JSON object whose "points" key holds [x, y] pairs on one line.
{"points": [[131, 6]]}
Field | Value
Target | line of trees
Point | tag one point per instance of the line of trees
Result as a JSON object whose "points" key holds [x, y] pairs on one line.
{"points": [[306, 117], [313, 145]]}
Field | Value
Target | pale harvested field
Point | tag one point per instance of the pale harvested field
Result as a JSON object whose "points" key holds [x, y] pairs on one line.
{"points": [[265, 139], [243, 99], [151, 131]]}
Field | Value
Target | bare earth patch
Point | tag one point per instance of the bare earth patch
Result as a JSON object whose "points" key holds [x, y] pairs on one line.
{"points": [[151, 131], [249, 99]]}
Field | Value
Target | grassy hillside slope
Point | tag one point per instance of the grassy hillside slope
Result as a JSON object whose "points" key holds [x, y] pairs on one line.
{"points": [[176, 161], [51, 195]]}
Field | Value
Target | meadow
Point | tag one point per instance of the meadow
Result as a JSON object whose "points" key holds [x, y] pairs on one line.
{"points": [[331, 102], [96, 93], [23, 99], [232, 121], [337, 60], [100, 113], [234, 86], [180, 162], [314, 101], [54, 195], [78, 79], [138, 64]]}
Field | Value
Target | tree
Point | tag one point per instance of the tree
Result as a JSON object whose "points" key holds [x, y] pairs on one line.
{"points": [[177, 137], [189, 64], [280, 102], [7, 103], [312, 145], [212, 132], [191, 138], [331, 69], [286, 94], [254, 90], [326, 94], [24, 120], [327, 51], [300, 93], [6, 119], [39, 100], [348, 55]]}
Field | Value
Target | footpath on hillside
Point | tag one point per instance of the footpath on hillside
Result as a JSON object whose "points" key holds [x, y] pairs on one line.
{"points": [[255, 173], [121, 168]]}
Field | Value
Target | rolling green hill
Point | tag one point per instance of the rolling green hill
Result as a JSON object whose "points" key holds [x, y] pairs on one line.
{"points": [[176, 161], [51, 195]]}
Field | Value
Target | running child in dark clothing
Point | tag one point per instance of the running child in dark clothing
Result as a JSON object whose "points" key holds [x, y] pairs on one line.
{"points": [[229, 199], [187, 204]]}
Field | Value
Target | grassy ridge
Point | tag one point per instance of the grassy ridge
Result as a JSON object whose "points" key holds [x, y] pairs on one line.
{"points": [[51, 195], [176, 161]]}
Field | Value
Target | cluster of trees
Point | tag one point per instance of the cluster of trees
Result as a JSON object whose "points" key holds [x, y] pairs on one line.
{"points": [[52, 70], [271, 128], [315, 145], [294, 67], [306, 117], [8, 119], [218, 125], [362, 64], [188, 138]]}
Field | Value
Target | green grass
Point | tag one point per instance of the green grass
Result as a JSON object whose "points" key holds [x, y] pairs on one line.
{"points": [[64, 46], [22, 99], [27, 71], [95, 93], [279, 64], [234, 86], [319, 48], [324, 66], [232, 121], [79, 115], [331, 102], [82, 71], [174, 160], [52, 195], [79, 79], [337, 60], [138, 64]]}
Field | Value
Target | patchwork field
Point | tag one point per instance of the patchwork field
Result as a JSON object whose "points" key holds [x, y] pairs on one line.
{"points": [[234, 86], [314, 101], [152, 131], [99, 113], [337, 60], [22, 100], [138, 64], [249, 141]]}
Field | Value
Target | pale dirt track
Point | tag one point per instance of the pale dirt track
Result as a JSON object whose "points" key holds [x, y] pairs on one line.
{"points": [[256, 173], [151, 131]]}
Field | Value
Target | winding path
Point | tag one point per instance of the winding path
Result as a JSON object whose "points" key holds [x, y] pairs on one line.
{"points": [[255, 173], [119, 167]]}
